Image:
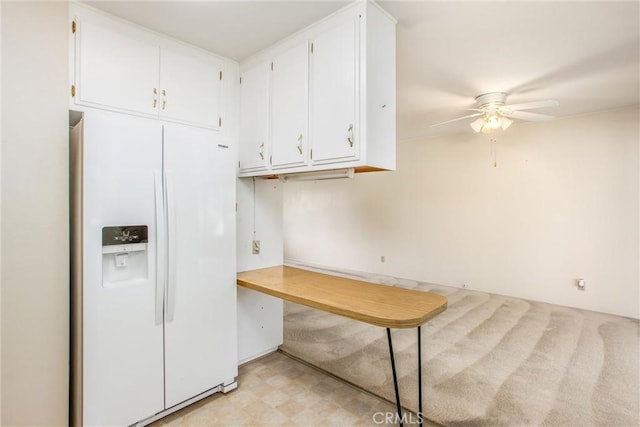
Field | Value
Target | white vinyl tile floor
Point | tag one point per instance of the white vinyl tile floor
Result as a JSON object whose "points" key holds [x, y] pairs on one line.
{"points": [[276, 390]]}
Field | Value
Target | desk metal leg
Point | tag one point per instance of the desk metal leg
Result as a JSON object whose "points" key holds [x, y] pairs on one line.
{"points": [[420, 414], [395, 377]]}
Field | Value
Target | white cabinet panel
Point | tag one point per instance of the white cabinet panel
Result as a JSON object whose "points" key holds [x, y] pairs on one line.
{"points": [[333, 94], [259, 216], [260, 326], [115, 71], [289, 107], [254, 115], [200, 329], [190, 87]]}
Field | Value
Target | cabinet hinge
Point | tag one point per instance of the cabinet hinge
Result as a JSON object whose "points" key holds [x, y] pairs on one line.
{"points": [[311, 47], [73, 26], [271, 160], [238, 164], [219, 121], [272, 66], [311, 153], [220, 75], [240, 80], [73, 90]]}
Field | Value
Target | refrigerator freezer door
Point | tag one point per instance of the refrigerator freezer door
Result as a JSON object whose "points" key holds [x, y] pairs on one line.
{"points": [[123, 359], [200, 337]]}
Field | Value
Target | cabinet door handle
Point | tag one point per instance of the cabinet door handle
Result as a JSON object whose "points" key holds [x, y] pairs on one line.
{"points": [[350, 135], [155, 97], [260, 152], [300, 144], [164, 99]]}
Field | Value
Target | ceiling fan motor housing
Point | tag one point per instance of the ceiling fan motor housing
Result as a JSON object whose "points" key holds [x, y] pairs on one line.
{"points": [[491, 101]]}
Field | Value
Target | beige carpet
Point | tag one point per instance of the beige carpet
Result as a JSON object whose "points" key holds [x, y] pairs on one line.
{"points": [[487, 360]]}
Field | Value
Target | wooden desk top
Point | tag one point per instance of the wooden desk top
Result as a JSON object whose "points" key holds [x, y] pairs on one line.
{"points": [[380, 305]]}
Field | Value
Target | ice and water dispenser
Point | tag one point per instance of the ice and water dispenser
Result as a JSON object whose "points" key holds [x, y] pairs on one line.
{"points": [[124, 255]]}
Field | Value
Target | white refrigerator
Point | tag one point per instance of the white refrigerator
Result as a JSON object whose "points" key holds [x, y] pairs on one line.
{"points": [[153, 268]]}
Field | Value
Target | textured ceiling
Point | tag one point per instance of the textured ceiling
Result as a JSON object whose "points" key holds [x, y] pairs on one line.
{"points": [[583, 54], [235, 29]]}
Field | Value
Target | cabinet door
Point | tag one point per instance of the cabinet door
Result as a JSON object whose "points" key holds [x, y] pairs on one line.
{"points": [[200, 316], [289, 107], [190, 87], [254, 107], [115, 70], [333, 124]]}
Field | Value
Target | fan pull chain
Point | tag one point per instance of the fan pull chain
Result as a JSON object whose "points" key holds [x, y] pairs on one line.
{"points": [[494, 153]]}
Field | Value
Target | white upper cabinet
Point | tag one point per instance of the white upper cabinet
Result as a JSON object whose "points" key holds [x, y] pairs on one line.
{"points": [[115, 70], [334, 93], [289, 107], [121, 67], [333, 98], [254, 114], [190, 87]]}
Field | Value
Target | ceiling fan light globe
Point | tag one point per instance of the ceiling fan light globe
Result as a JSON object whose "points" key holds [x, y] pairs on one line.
{"points": [[506, 122], [493, 122], [477, 125]]}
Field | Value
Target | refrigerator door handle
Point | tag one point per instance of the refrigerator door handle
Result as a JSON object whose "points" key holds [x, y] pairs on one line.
{"points": [[160, 245], [171, 247]]}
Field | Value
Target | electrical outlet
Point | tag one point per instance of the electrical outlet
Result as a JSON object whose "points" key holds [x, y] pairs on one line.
{"points": [[580, 284], [255, 247]]}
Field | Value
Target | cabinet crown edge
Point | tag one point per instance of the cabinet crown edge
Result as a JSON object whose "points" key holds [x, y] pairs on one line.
{"points": [[312, 30]]}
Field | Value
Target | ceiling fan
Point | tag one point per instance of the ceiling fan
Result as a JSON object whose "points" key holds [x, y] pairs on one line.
{"points": [[493, 114]]}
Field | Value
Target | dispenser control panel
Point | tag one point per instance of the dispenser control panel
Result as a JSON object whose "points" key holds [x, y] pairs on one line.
{"points": [[123, 235], [125, 257]]}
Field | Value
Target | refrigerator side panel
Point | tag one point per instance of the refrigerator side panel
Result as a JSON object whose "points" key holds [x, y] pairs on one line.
{"points": [[122, 337], [75, 175], [200, 330]]}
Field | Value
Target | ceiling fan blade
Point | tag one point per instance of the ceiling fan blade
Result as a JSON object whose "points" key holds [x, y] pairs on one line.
{"points": [[459, 118], [524, 115], [532, 105]]}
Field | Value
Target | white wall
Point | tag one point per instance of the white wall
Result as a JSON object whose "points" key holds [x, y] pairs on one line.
{"points": [[35, 238], [561, 204]]}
